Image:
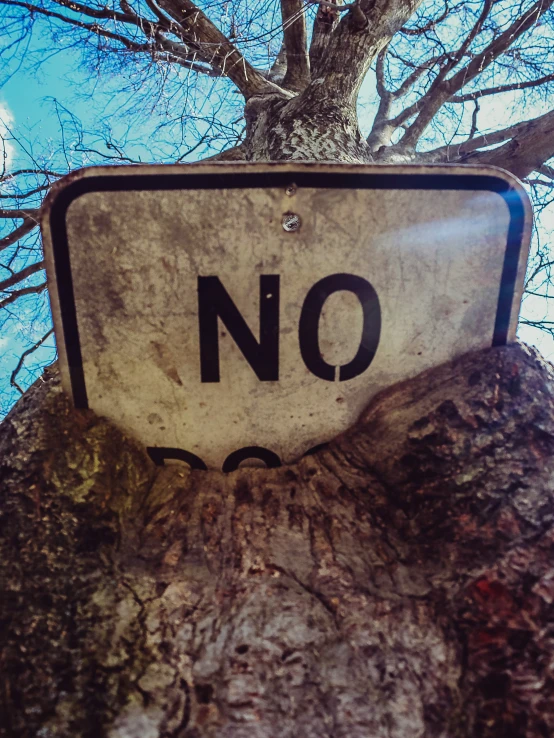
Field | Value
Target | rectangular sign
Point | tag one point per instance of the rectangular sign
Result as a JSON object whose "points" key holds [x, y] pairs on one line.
{"points": [[229, 313]]}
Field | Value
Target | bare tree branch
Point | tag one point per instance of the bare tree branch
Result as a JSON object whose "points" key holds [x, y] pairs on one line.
{"points": [[296, 45], [473, 129], [526, 146], [20, 276], [325, 22], [18, 172], [442, 89], [383, 127], [481, 61], [354, 43], [381, 130], [458, 152], [215, 48], [16, 294], [92, 27], [25, 228], [279, 67], [547, 171], [203, 41], [429, 26], [24, 355], [525, 85], [21, 213], [525, 151], [460, 53]]}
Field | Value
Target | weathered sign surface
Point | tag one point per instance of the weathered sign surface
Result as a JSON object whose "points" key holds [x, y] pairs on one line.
{"points": [[227, 312]]}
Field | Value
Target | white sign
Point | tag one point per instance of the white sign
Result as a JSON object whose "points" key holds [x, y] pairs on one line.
{"points": [[239, 312]]}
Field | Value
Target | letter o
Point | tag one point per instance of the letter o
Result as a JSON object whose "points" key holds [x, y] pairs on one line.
{"points": [[270, 459], [158, 454], [308, 328]]}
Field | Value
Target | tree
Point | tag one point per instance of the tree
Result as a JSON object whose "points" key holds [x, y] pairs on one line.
{"points": [[437, 73], [396, 583]]}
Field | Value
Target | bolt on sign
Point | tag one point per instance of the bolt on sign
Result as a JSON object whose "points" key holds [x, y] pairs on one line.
{"points": [[229, 313]]}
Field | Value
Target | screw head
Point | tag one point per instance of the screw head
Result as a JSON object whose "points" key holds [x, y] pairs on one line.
{"points": [[291, 222]]}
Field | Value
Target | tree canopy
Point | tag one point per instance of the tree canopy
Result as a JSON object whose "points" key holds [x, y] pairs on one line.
{"points": [[381, 81]]}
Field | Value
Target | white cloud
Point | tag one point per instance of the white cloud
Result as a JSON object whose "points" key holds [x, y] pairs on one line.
{"points": [[7, 149]]}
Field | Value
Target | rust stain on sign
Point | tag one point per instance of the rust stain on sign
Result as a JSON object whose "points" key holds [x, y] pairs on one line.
{"points": [[239, 312]]}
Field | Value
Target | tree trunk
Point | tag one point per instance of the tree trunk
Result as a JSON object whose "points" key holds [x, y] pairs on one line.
{"points": [[304, 128], [396, 584]]}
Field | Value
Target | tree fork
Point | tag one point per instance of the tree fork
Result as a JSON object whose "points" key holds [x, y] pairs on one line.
{"points": [[397, 583]]}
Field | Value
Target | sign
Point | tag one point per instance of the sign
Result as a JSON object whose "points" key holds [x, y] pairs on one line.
{"points": [[228, 313]]}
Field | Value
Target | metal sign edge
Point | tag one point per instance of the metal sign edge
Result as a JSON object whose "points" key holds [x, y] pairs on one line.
{"points": [[73, 185]]}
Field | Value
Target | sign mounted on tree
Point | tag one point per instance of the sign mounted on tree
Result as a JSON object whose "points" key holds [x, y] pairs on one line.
{"points": [[232, 312]]}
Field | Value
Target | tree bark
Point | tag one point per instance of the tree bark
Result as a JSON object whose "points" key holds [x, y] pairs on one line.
{"points": [[303, 128], [396, 584]]}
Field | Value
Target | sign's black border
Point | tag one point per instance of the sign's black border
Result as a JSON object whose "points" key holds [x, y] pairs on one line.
{"points": [[235, 180]]}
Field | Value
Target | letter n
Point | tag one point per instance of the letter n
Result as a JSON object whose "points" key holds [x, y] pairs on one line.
{"points": [[214, 302]]}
